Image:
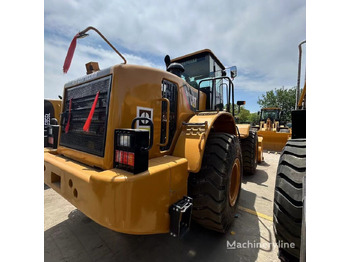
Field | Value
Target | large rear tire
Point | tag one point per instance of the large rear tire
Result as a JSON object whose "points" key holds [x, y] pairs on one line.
{"points": [[215, 189], [288, 202], [250, 153]]}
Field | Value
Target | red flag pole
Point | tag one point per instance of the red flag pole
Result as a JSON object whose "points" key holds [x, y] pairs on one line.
{"points": [[73, 44]]}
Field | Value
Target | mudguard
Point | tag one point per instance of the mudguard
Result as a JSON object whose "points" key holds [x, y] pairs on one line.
{"points": [[193, 137]]}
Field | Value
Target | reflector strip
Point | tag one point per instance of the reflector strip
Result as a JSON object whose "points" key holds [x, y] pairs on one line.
{"points": [[125, 158], [121, 157], [131, 159]]}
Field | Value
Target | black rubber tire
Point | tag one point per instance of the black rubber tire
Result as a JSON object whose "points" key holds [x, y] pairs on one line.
{"points": [[288, 201], [249, 147], [210, 187]]}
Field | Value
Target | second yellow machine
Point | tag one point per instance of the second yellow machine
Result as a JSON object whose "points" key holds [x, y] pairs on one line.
{"points": [[144, 151], [274, 134]]}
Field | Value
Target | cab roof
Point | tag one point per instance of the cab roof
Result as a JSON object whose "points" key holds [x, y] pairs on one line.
{"points": [[197, 54]]}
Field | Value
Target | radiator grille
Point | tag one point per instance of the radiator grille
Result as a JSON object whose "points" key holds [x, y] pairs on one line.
{"points": [[82, 98]]}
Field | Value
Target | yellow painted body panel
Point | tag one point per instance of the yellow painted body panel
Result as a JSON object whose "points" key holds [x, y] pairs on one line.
{"points": [[192, 140], [119, 200], [128, 92], [302, 97], [260, 149], [57, 108], [50, 150], [274, 141], [243, 130]]}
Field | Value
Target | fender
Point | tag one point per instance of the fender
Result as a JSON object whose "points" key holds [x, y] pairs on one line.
{"points": [[193, 137], [244, 133], [243, 130]]}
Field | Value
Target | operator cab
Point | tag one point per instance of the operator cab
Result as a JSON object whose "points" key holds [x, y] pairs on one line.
{"points": [[204, 71], [274, 114]]}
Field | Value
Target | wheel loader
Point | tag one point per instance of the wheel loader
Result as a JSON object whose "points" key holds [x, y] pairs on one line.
{"points": [[289, 220], [274, 134], [146, 151]]}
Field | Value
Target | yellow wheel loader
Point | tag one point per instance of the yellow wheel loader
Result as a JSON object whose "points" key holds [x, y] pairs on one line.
{"points": [[145, 151], [274, 135]]}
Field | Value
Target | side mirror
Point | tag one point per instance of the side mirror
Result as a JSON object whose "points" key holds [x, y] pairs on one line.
{"points": [[233, 71], [240, 103]]}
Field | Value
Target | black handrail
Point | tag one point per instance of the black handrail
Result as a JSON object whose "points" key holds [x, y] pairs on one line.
{"points": [[231, 86], [150, 123]]}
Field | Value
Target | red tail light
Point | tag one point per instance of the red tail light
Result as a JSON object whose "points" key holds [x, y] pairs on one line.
{"points": [[130, 153]]}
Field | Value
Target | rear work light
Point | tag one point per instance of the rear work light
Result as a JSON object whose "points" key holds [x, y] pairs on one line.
{"points": [[131, 147]]}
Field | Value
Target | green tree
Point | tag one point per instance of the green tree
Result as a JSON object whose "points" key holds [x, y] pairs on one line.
{"points": [[254, 118], [243, 116], [282, 98]]}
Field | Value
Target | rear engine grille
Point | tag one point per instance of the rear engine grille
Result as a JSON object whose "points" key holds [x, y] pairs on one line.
{"points": [[82, 98]]}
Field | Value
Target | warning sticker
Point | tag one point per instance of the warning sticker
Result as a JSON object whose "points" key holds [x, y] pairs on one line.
{"points": [[47, 119]]}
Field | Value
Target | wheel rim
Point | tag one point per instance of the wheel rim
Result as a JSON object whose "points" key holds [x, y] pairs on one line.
{"points": [[234, 182]]}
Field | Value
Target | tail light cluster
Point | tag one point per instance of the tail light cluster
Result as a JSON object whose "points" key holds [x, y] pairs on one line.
{"points": [[131, 147], [130, 153], [52, 135]]}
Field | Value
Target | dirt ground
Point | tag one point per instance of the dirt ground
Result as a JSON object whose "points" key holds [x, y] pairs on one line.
{"points": [[71, 236]]}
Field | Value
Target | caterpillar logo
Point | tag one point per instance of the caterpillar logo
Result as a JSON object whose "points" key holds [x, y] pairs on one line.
{"points": [[191, 96], [144, 112]]}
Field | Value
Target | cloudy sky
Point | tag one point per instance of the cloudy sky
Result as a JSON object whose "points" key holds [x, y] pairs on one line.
{"points": [[259, 37]]}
